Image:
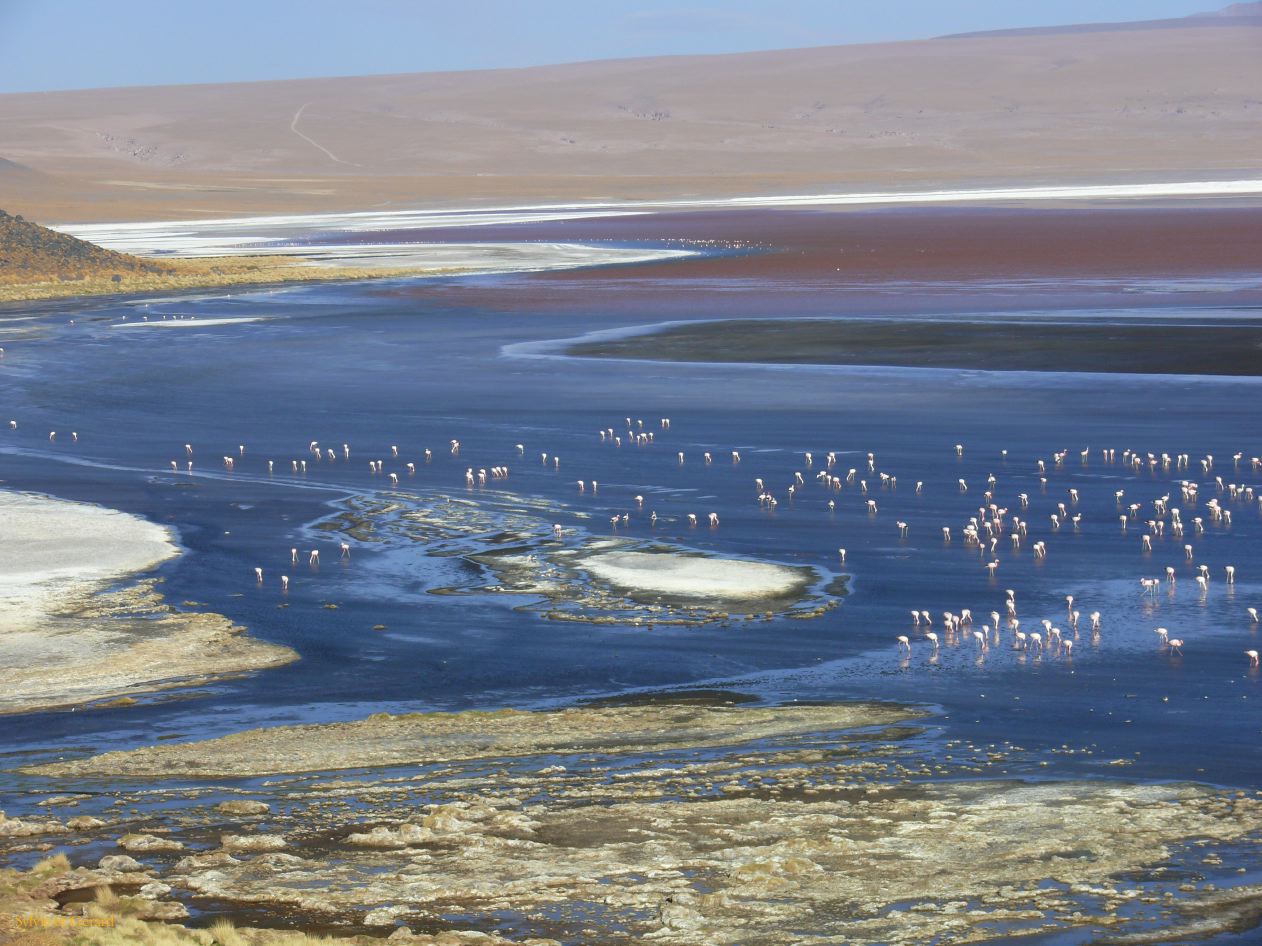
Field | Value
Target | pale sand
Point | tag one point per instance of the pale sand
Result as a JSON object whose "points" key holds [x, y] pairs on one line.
{"points": [[690, 577], [67, 640]]}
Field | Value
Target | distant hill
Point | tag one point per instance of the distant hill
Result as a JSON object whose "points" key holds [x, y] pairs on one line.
{"points": [[12, 167], [1238, 14], [29, 252], [1160, 100], [1238, 9]]}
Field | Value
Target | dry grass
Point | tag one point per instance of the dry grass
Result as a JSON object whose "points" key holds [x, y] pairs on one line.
{"points": [[27, 918], [39, 263], [192, 274]]}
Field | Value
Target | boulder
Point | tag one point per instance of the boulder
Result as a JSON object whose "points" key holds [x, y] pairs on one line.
{"points": [[253, 842], [243, 806], [120, 863], [148, 842]]}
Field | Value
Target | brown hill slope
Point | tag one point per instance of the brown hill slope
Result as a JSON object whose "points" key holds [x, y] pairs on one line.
{"points": [[38, 263], [1120, 104], [30, 252]]}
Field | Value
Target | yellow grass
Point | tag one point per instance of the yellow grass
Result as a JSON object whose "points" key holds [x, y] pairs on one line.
{"points": [[192, 274], [26, 919]]}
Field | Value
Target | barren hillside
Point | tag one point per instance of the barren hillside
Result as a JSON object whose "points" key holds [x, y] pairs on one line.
{"points": [[1122, 103]]}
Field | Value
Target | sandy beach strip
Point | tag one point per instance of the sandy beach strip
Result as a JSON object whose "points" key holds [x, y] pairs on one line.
{"points": [[79, 626]]}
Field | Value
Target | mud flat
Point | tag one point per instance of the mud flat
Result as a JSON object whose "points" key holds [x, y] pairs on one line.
{"points": [[422, 738], [681, 823], [79, 626], [987, 345]]}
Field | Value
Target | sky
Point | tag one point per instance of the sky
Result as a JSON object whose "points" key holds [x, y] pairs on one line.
{"points": [[73, 44]]}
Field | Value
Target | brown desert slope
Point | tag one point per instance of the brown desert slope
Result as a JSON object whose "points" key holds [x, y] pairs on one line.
{"points": [[1122, 104], [30, 252], [38, 263]]}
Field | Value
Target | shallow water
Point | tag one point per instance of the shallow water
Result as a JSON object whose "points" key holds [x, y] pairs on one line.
{"points": [[371, 368]]}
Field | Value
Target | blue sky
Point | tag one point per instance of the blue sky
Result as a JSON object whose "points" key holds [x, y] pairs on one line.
{"points": [[59, 44]]}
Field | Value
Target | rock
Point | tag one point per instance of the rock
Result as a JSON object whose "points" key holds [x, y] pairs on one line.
{"points": [[445, 819], [387, 838], [677, 916], [278, 861], [121, 863], [67, 800], [253, 842], [402, 933], [17, 828], [80, 878], [243, 806], [163, 910], [154, 890], [202, 861], [148, 842], [385, 916], [85, 823]]}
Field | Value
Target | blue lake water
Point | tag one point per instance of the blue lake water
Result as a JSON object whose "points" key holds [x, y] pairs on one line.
{"points": [[353, 364]]}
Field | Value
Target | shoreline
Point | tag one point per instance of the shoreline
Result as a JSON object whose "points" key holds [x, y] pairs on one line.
{"points": [[319, 264], [551, 212], [719, 822], [291, 274], [563, 239], [84, 620]]}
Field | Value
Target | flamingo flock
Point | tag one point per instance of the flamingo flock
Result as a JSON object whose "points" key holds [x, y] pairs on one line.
{"points": [[1174, 516]]}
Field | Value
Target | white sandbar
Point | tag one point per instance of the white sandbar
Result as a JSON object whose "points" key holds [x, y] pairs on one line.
{"points": [[694, 577], [184, 323]]}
